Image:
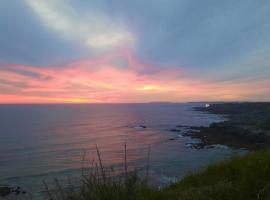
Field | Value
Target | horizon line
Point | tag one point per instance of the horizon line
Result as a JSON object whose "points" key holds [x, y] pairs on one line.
{"points": [[155, 102]]}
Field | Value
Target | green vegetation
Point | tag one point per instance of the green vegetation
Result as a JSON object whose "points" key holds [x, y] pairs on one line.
{"points": [[239, 178]]}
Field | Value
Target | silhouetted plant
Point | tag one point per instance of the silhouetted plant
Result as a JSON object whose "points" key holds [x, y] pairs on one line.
{"points": [[104, 183]]}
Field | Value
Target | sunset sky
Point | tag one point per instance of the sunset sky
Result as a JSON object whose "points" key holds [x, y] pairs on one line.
{"points": [[112, 51]]}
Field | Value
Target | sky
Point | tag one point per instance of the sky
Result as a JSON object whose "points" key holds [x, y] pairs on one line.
{"points": [[123, 51]]}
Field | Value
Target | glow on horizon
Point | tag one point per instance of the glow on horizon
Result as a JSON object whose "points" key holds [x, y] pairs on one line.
{"points": [[151, 88], [97, 80]]}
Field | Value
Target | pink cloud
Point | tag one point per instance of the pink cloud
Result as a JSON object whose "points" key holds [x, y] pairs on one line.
{"points": [[115, 77]]}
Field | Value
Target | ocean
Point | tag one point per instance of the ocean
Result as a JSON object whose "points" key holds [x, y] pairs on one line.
{"points": [[42, 142]]}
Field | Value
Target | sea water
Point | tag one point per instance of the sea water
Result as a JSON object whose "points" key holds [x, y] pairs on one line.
{"points": [[42, 142]]}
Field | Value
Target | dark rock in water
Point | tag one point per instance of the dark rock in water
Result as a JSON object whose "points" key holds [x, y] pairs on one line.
{"points": [[171, 139], [140, 126], [175, 130], [216, 146], [137, 126], [189, 127], [181, 126], [17, 191], [4, 191]]}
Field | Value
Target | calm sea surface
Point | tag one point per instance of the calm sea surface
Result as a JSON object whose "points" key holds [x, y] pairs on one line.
{"points": [[40, 142]]}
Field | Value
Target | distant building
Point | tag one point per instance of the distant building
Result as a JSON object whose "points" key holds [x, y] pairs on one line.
{"points": [[207, 105]]}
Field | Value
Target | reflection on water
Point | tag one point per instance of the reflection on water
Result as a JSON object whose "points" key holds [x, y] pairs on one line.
{"points": [[40, 141]]}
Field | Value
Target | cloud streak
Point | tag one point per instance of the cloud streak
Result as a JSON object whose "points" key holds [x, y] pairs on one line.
{"points": [[98, 80], [94, 29]]}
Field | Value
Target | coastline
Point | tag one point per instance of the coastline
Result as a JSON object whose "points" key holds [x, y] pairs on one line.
{"points": [[247, 126]]}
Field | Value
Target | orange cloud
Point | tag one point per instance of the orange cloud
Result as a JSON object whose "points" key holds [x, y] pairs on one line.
{"points": [[115, 77]]}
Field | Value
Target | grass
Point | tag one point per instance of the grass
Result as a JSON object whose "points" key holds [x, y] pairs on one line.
{"points": [[101, 183], [238, 178]]}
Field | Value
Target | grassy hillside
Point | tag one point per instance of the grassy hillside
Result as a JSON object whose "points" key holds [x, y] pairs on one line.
{"points": [[239, 178]]}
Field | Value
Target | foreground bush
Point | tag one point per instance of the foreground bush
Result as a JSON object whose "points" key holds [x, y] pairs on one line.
{"points": [[239, 178]]}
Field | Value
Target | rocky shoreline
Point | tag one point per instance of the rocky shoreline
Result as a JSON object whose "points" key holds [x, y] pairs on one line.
{"points": [[247, 126]]}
